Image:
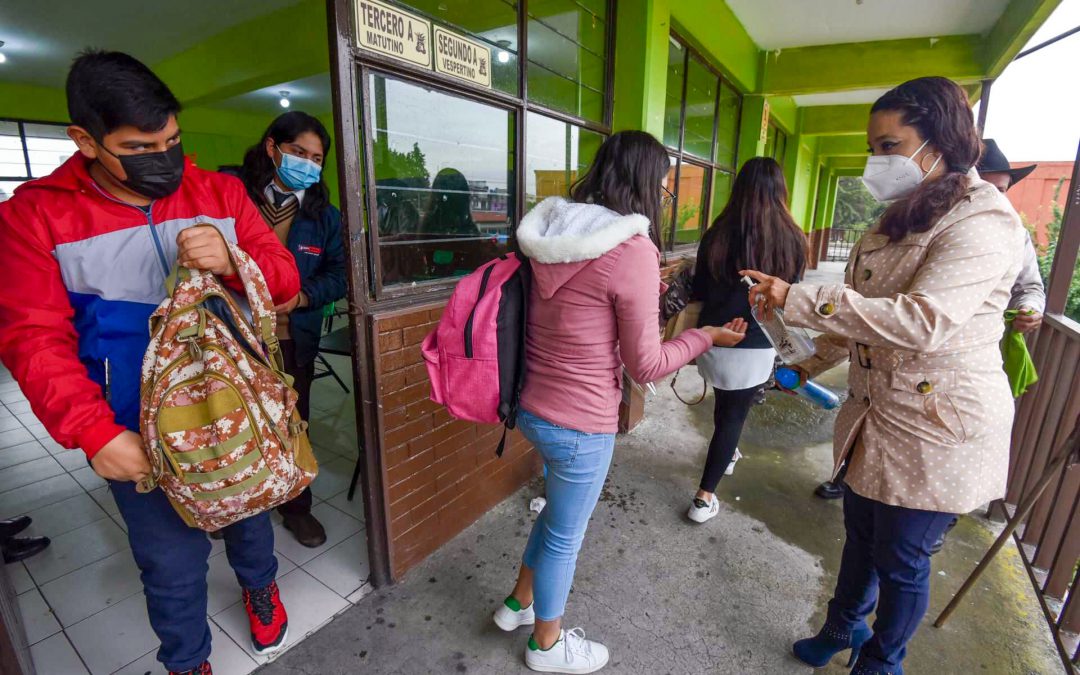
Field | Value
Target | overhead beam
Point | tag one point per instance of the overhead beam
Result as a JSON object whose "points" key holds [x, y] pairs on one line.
{"points": [[250, 56], [869, 65], [847, 166], [852, 145], [1012, 31], [827, 120], [713, 29]]}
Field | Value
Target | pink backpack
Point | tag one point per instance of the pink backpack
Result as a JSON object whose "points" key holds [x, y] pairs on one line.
{"points": [[476, 357]]}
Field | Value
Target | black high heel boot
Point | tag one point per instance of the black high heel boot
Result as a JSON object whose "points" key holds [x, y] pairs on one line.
{"points": [[830, 640]]}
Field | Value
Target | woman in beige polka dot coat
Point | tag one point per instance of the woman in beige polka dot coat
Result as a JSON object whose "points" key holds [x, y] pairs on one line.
{"points": [[924, 433]]}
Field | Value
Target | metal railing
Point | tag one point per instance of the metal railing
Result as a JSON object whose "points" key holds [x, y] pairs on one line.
{"points": [[841, 241], [1049, 536]]}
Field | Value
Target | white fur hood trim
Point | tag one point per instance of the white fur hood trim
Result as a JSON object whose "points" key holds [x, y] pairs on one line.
{"points": [[558, 231]]}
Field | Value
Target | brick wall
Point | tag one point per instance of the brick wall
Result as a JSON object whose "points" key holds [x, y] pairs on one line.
{"points": [[441, 474]]}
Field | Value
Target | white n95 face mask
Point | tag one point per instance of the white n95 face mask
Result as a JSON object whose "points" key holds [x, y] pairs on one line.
{"points": [[890, 177]]}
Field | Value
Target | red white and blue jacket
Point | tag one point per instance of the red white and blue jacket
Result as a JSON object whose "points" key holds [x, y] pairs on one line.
{"points": [[81, 274]]}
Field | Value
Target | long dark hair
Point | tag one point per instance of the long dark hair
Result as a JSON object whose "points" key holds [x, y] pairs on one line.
{"points": [[449, 208], [626, 176], [755, 230], [259, 169], [938, 108]]}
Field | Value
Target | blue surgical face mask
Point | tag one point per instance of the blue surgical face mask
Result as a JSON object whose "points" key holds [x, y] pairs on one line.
{"points": [[297, 173]]}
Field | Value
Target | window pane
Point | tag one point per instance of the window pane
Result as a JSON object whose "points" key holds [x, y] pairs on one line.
{"points": [[781, 146], [721, 187], [492, 22], [727, 133], [673, 99], [443, 184], [7, 188], [567, 62], [770, 141], [668, 214], [49, 147], [556, 155], [12, 162], [691, 195], [701, 86]]}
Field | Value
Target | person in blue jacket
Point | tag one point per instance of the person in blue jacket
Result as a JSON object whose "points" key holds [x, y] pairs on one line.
{"points": [[283, 176]]}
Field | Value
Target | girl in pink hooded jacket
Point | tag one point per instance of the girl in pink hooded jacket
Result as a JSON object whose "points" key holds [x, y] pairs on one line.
{"points": [[594, 309]]}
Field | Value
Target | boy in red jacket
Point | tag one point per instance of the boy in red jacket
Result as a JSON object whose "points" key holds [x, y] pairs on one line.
{"points": [[85, 252]]}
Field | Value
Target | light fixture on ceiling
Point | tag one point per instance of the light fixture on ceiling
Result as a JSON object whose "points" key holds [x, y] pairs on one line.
{"points": [[284, 98], [3, 58], [503, 56]]}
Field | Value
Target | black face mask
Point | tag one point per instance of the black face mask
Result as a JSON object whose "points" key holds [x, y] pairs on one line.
{"points": [[152, 174]]}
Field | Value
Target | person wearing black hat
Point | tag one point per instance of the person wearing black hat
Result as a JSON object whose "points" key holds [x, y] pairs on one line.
{"points": [[19, 548], [1028, 295]]}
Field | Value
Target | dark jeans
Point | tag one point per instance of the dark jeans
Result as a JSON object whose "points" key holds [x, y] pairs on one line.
{"points": [[172, 558], [302, 378], [886, 562], [729, 414]]}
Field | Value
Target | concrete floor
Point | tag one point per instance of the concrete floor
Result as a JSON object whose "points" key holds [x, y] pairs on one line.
{"points": [[668, 596]]}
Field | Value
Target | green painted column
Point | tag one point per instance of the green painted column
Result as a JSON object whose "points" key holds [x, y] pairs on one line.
{"points": [[641, 40], [751, 140], [803, 177], [822, 200], [830, 201]]}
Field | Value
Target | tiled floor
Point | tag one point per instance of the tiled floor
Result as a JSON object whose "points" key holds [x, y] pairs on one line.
{"points": [[81, 599]]}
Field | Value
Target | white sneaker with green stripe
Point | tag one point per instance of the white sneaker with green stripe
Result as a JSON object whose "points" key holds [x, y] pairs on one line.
{"points": [[571, 653], [511, 615]]}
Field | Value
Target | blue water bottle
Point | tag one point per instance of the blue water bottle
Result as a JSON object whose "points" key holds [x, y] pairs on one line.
{"points": [[818, 395]]}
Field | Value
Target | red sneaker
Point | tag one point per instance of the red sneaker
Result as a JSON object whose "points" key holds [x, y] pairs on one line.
{"points": [[266, 614], [201, 669]]}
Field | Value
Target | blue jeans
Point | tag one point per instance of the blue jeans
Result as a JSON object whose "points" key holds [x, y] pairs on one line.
{"points": [[172, 558], [886, 562], [577, 464]]}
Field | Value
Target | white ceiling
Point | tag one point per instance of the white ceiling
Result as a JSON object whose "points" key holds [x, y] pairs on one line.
{"points": [[41, 38], [840, 97], [310, 94], [777, 24]]}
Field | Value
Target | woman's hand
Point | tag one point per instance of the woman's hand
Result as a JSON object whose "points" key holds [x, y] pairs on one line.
{"points": [[768, 293], [731, 334], [803, 377]]}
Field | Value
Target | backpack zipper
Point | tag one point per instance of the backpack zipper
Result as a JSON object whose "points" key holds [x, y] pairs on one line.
{"points": [[472, 314]]}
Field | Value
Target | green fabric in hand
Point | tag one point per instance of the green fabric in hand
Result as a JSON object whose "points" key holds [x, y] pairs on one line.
{"points": [[1014, 352]]}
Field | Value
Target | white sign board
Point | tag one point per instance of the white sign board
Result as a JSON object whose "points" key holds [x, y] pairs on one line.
{"points": [[387, 30], [460, 57]]}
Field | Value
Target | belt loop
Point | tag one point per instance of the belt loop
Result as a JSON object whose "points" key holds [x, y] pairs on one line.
{"points": [[863, 352]]}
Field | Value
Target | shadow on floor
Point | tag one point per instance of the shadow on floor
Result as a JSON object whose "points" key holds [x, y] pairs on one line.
{"points": [[668, 596]]}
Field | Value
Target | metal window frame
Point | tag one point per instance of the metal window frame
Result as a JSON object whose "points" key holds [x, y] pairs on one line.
{"points": [[366, 63], [21, 124], [349, 67], [710, 164]]}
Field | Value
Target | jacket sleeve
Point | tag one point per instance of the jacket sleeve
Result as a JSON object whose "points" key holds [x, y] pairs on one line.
{"points": [[634, 286], [257, 240], [38, 342], [1028, 291], [962, 267], [328, 284]]}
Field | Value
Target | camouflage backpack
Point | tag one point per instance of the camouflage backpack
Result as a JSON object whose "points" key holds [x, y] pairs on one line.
{"points": [[218, 414]]}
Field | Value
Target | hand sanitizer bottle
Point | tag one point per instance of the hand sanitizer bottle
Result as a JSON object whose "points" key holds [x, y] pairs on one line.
{"points": [[792, 344]]}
